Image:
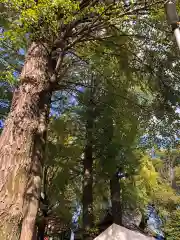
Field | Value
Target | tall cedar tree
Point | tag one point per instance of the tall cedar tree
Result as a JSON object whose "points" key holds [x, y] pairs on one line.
{"points": [[21, 146]]}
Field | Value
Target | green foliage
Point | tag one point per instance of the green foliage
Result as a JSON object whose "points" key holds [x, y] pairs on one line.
{"points": [[129, 89], [10, 64], [63, 177], [40, 20], [43, 19], [119, 120], [172, 225]]}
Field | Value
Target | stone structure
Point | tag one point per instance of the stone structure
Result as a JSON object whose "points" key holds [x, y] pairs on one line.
{"points": [[116, 232]]}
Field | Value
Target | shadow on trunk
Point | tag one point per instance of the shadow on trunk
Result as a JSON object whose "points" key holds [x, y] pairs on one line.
{"points": [[116, 199]]}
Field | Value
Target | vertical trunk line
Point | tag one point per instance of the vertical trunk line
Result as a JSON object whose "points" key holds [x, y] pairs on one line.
{"points": [[88, 181], [43, 222], [87, 199], [33, 191], [116, 199], [41, 229]]}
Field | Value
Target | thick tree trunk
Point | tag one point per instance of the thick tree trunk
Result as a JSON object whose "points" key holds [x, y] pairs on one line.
{"points": [[116, 199], [31, 202], [88, 177], [21, 150]]}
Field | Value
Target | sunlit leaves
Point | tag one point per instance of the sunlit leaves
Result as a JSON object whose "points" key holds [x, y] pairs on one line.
{"points": [[172, 225]]}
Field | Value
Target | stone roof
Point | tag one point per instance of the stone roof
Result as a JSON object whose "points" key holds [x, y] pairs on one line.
{"points": [[131, 221], [116, 232]]}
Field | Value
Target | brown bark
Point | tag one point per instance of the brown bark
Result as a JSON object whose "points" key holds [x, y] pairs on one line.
{"points": [[116, 199], [88, 176], [31, 202], [21, 149]]}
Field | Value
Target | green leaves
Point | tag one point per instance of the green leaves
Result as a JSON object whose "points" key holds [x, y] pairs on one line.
{"points": [[172, 225], [133, 72]]}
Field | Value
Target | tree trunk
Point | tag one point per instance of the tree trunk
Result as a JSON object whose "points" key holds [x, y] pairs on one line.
{"points": [[143, 223], [31, 202], [41, 229], [35, 233], [43, 207], [88, 176], [21, 149], [116, 199]]}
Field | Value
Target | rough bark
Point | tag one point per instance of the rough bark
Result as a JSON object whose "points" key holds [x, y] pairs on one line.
{"points": [[88, 176], [21, 150], [31, 203], [116, 199]]}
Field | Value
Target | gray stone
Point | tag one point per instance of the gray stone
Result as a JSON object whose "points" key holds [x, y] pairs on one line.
{"points": [[116, 232]]}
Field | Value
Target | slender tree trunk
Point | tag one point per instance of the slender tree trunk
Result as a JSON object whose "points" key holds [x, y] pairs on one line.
{"points": [[41, 229], [116, 199], [35, 233], [88, 176], [44, 209], [143, 223], [172, 172], [21, 150]]}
